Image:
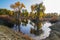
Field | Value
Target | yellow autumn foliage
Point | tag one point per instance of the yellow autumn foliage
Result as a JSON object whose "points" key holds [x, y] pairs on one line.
{"points": [[41, 14]]}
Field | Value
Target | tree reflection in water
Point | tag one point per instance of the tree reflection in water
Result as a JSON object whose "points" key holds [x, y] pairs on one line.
{"points": [[24, 22], [40, 30], [37, 28], [33, 28]]}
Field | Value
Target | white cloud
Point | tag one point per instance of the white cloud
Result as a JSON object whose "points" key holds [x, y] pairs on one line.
{"points": [[52, 6], [32, 2], [36, 1]]}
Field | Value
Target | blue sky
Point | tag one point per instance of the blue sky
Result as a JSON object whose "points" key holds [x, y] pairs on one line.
{"points": [[6, 3], [51, 5]]}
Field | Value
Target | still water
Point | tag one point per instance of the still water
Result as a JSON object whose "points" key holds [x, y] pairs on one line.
{"points": [[26, 29]]}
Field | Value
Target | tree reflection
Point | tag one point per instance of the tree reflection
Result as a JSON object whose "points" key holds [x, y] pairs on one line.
{"points": [[24, 22], [37, 29]]}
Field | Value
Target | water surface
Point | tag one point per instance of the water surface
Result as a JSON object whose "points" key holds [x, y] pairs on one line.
{"points": [[27, 28]]}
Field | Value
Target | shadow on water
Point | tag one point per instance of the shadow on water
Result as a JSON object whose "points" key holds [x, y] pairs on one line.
{"points": [[6, 23]]}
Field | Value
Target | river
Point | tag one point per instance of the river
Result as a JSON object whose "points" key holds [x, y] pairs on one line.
{"points": [[27, 28]]}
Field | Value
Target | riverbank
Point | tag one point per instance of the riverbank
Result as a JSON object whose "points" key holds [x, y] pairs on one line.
{"points": [[54, 35], [8, 34], [55, 32]]}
